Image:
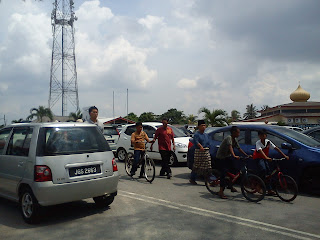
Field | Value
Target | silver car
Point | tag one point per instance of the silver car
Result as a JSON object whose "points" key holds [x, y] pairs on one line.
{"points": [[111, 134], [43, 164]]}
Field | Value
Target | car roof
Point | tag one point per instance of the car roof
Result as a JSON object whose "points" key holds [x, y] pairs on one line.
{"points": [[251, 126], [52, 124], [311, 129]]}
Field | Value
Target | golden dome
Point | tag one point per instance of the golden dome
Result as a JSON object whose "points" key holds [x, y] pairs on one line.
{"points": [[300, 95]]}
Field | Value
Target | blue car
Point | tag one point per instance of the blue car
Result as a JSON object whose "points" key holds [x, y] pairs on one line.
{"points": [[304, 152]]}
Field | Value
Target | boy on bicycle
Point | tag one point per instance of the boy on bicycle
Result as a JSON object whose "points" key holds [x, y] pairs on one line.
{"points": [[138, 139], [261, 154], [224, 157]]}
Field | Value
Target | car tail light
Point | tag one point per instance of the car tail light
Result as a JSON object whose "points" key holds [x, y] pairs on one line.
{"points": [[114, 165], [42, 174], [190, 145]]}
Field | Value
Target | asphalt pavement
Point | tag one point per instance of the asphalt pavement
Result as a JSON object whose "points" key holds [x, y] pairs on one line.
{"points": [[169, 209]]}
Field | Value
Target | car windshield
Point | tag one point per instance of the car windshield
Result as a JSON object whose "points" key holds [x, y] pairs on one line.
{"points": [[110, 131], [177, 132], [70, 140], [300, 137]]}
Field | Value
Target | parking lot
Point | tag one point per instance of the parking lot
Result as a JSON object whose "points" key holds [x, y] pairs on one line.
{"points": [[169, 209]]}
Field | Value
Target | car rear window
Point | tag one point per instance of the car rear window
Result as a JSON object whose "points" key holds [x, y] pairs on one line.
{"points": [[110, 131], [70, 140]]}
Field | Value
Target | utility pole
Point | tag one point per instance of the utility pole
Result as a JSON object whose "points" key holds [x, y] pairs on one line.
{"points": [[63, 74]]}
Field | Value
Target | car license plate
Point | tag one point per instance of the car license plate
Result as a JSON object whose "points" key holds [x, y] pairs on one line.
{"points": [[85, 170]]}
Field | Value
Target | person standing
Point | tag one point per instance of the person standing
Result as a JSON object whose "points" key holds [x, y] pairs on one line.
{"points": [[224, 156], [93, 112], [202, 158], [138, 139], [165, 136]]}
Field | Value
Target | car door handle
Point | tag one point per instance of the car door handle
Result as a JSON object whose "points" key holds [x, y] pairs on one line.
{"points": [[20, 164]]}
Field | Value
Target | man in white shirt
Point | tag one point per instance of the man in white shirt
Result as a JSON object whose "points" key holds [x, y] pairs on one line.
{"points": [[93, 112]]}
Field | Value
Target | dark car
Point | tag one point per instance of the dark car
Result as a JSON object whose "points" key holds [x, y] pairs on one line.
{"points": [[313, 132], [304, 152]]}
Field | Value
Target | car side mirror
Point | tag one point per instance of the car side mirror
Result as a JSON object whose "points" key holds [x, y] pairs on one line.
{"points": [[287, 146]]}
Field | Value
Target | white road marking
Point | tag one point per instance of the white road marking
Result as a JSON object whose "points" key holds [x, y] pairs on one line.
{"points": [[221, 216]]}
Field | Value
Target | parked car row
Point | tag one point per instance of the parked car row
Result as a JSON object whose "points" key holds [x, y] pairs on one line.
{"points": [[304, 151], [43, 164], [181, 142]]}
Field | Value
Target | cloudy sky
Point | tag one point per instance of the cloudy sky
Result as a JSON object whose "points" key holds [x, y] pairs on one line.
{"points": [[169, 54]]}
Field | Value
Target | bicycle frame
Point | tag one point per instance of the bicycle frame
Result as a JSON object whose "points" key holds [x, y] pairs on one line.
{"points": [[277, 171]]}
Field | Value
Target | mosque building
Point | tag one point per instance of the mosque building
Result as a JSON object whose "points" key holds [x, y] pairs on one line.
{"points": [[299, 113]]}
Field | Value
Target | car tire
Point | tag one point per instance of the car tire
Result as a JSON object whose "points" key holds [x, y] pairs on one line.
{"points": [[122, 154], [173, 161], [103, 201], [29, 206]]}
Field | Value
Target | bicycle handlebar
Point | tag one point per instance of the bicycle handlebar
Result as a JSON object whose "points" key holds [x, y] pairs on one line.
{"points": [[277, 159]]}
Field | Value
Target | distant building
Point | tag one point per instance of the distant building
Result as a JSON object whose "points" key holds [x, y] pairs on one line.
{"points": [[299, 113]]}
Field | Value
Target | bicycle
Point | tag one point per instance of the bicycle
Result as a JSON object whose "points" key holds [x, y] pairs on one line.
{"points": [[149, 166], [252, 187], [285, 186]]}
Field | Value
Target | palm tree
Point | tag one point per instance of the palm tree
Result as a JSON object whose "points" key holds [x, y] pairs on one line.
{"points": [[264, 107], [75, 116], [39, 113], [235, 115], [191, 119], [251, 112], [216, 118]]}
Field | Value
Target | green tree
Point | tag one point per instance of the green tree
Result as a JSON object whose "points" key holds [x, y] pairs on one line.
{"points": [[174, 116], [191, 119], [251, 112], [133, 117], [281, 123], [264, 107], [216, 118], [17, 121], [75, 115], [146, 117], [235, 115], [39, 113]]}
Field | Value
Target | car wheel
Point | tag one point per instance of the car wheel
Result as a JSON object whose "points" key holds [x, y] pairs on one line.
{"points": [[122, 154], [173, 161], [103, 201], [29, 206]]}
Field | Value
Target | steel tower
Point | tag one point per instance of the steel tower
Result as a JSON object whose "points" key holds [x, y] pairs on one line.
{"points": [[63, 74]]}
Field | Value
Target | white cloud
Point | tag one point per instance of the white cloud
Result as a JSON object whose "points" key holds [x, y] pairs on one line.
{"points": [[187, 83], [151, 21]]}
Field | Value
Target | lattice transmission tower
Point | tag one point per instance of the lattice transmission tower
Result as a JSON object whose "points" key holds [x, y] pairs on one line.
{"points": [[63, 74]]}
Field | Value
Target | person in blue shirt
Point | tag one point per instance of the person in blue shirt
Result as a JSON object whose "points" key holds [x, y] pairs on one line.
{"points": [[202, 158]]}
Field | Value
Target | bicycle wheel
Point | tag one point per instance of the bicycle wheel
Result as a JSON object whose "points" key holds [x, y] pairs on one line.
{"points": [[213, 184], [253, 188], [149, 169], [128, 163], [286, 188]]}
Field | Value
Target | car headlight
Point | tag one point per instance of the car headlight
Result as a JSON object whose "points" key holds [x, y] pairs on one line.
{"points": [[181, 145]]}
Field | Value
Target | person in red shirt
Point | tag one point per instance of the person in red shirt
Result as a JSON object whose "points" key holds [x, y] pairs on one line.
{"points": [[165, 136]]}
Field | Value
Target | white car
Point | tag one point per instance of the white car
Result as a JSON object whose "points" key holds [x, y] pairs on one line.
{"points": [[181, 142], [44, 164]]}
